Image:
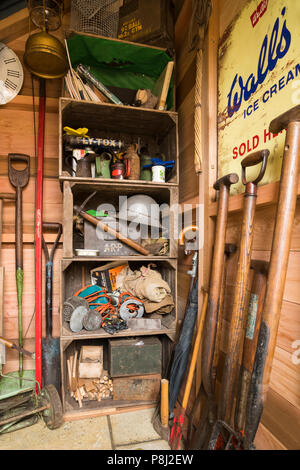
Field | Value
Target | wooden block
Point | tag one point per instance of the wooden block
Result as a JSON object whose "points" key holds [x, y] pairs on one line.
{"points": [[91, 353], [144, 323], [90, 362], [90, 386], [141, 387]]}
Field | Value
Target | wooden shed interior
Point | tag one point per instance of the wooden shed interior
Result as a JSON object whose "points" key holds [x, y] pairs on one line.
{"points": [[197, 85]]}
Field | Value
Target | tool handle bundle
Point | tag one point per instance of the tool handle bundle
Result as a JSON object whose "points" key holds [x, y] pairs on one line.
{"points": [[257, 300]]}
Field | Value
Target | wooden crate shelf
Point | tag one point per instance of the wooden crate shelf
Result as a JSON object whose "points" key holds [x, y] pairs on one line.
{"points": [[75, 193], [75, 275], [106, 406], [157, 130]]}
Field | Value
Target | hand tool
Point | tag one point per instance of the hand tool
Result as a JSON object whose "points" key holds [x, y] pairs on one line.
{"points": [[183, 346], [50, 345], [176, 431], [11, 345], [258, 288], [39, 233], [277, 271], [239, 311], [195, 440], [98, 223], [19, 179], [230, 249], [257, 296], [180, 355], [212, 314], [12, 197]]}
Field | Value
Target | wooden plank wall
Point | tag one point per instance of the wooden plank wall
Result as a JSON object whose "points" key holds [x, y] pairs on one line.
{"points": [[17, 131], [185, 88]]}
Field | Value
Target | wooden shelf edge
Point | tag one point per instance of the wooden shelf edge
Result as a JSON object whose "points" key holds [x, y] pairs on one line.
{"points": [[110, 181], [266, 195], [172, 114], [84, 414], [119, 258], [122, 334]]}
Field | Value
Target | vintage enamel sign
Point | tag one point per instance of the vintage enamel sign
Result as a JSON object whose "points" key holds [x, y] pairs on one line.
{"points": [[259, 79]]}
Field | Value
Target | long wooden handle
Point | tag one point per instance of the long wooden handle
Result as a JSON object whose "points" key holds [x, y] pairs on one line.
{"points": [[239, 311], [282, 240], [6, 342], [195, 354], [212, 313], [93, 220], [250, 345], [164, 403], [282, 237]]}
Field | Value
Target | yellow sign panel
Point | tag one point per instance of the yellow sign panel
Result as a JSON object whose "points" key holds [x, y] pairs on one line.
{"points": [[259, 79]]}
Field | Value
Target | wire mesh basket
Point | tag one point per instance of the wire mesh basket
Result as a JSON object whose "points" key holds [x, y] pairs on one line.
{"points": [[99, 17]]}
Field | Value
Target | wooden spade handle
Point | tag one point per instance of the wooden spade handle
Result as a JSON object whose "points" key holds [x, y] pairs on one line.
{"points": [[212, 314], [282, 121], [227, 180], [93, 220], [252, 160]]}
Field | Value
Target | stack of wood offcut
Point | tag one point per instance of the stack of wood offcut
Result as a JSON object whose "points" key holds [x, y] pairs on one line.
{"points": [[86, 378]]}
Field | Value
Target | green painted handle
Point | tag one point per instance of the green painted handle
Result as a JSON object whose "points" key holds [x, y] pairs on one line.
{"points": [[19, 279]]}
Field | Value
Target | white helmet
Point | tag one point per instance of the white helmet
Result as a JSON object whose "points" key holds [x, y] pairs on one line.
{"points": [[141, 209]]}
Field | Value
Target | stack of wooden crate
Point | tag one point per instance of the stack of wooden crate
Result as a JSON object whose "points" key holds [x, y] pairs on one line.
{"points": [[158, 131]]}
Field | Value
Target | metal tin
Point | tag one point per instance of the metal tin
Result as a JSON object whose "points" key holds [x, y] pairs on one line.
{"points": [[82, 252], [45, 56], [118, 171]]}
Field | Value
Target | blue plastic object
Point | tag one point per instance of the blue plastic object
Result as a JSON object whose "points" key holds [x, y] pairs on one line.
{"points": [[158, 161]]}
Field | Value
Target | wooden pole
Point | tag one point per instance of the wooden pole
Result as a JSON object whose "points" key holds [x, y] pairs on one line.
{"points": [[239, 310], [211, 320], [281, 244], [164, 403]]}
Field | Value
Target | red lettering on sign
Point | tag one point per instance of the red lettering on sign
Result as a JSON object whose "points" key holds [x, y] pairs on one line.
{"points": [[259, 12]]}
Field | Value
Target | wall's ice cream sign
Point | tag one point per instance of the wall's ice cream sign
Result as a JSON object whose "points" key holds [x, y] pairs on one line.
{"points": [[259, 78]]}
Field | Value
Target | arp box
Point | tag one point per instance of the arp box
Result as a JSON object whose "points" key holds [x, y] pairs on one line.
{"points": [[134, 356], [147, 21]]}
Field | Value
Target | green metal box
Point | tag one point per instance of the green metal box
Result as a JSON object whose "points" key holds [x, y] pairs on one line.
{"points": [[138, 356]]}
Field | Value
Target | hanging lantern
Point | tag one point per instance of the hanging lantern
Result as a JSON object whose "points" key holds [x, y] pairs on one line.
{"points": [[46, 14], [45, 55]]}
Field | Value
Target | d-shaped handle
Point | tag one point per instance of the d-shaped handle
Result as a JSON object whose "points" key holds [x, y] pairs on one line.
{"points": [[18, 178], [252, 160]]}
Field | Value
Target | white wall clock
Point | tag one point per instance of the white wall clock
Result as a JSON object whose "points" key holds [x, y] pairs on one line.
{"points": [[11, 74]]}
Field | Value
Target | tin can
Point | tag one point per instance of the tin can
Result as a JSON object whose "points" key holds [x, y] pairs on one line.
{"points": [[118, 171], [158, 174]]}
